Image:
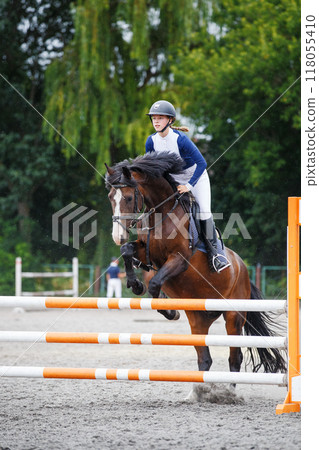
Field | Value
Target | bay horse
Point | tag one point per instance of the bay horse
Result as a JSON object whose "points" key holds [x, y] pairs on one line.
{"points": [[143, 188]]}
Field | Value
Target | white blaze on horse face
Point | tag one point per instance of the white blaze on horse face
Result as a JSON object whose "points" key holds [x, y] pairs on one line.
{"points": [[119, 234]]}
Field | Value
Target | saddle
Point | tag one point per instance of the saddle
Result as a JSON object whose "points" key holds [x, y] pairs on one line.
{"points": [[191, 207], [196, 242], [195, 215]]}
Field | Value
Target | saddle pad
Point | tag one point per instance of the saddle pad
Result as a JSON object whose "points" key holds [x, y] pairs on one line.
{"points": [[198, 244]]}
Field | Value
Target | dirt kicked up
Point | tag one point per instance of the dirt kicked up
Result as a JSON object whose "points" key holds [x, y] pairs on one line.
{"points": [[97, 414]]}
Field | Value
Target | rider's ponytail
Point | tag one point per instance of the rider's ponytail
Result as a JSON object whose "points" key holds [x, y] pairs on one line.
{"points": [[186, 129]]}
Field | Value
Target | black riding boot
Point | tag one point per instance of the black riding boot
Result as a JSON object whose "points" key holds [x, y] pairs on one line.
{"points": [[216, 262]]}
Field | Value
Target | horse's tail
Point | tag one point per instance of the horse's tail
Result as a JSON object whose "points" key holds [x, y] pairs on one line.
{"points": [[260, 324]]}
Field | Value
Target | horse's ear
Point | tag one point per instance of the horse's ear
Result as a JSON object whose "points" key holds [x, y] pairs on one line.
{"points": [[110, 171], [138, 176], [126, 172]]}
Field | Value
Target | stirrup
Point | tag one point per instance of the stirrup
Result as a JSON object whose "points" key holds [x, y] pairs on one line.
{"points": [[227, 263]]}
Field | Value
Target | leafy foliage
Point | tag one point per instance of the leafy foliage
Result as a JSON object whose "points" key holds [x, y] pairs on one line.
{"points": [[94, 67], [246, 96], [31, 33], [116, 65]]}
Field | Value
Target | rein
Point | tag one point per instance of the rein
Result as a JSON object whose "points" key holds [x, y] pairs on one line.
{"points": [[135, 210], [144, 215], [152, 211]]}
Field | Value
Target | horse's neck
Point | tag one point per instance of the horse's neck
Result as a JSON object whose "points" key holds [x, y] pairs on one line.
{"points": [[157, 192]]}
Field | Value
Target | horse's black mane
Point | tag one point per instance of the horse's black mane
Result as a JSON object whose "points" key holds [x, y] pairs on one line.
{"points": [[158, 164], [152, 164], [117, 177]]}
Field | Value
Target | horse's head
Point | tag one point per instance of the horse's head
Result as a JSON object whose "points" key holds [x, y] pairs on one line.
{"points": [[131, 181], [125, 198]]}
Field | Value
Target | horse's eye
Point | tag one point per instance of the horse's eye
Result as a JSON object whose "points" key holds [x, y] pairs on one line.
{"points": [[129, 199]]}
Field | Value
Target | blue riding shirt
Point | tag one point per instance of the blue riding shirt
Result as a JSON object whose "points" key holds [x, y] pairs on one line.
{"points": [[178, 142]]}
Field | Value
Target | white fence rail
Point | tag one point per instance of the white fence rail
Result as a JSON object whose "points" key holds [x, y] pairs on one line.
{"points": [[19, 275]]}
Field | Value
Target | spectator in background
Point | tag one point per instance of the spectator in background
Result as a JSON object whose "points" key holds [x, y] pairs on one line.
{"points": [[113, 276]]}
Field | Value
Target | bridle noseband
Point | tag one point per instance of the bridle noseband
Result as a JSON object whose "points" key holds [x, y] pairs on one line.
{"points": [[144, 215], [136, 210]]}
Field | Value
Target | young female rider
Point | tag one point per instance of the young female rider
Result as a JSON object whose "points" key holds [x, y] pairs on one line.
{"points": [[195, 176]]}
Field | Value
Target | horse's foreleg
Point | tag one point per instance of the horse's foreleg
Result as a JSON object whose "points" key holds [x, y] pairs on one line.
{"points": [[128, 251], [234, 324], [200, 323], [174, 265], [204, 359]]}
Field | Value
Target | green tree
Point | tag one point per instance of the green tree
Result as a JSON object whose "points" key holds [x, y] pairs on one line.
{"points": [[246, 62], [115, 67], [29, 37], [31, 34]]}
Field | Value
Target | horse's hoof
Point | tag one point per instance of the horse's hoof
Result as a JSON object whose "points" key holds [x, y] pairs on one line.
{"points": [[139, 289], [144, 289], [169, 314], [177, 315]]}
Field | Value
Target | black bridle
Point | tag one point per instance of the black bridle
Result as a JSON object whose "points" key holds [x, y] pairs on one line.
{"points": [[144, 215], [135, 209]]}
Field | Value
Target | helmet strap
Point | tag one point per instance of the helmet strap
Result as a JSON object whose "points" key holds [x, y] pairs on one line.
{"points": [[168, 124]]}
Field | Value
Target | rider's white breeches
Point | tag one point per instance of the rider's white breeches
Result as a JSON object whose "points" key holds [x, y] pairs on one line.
{"points": [[201, 192]]}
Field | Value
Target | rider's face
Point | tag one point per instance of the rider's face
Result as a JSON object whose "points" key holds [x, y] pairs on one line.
{"points": [[159, 122]]}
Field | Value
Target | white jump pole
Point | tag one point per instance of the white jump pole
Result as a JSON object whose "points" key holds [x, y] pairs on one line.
{"points": [[75, 277], [18, 277], [144, 339], [144, 375], [143, 303]]}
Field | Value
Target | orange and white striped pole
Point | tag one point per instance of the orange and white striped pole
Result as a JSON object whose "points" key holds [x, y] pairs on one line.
{"points": [[292, 401], [186, 304], [190, 376], [144, 339]]}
